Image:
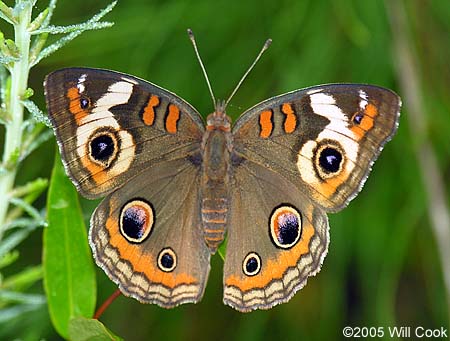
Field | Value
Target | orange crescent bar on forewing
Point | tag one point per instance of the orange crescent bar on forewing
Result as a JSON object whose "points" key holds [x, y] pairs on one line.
{"points": [[148, 116], [265, 121], [291, 120], [172, 118]]}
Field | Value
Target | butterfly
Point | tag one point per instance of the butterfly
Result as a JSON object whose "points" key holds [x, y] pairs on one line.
{"points": [[175, 186]]}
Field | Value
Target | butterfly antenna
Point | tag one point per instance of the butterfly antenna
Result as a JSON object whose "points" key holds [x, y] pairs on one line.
{"points": [[192, 38], [264, 48]]}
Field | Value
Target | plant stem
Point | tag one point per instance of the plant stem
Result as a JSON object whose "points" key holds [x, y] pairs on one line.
{"points": [[19, 81], [106, 304]]}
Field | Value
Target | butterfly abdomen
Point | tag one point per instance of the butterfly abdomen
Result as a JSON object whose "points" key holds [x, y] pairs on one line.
{"points": [[214, 218], [215, 187]]}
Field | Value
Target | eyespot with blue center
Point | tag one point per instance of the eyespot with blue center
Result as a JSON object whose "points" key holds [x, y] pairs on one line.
{"points": [[103, 147], [329, 159], [136, 221], [251, 264], [167, 260], [285, 226], [84, 102]]}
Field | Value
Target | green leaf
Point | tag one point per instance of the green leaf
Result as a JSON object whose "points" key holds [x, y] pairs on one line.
{"points": [[30, 192], [6, 13], [36, 185], [69, 276], [37, 46], [51, 8], [8, 314], [37, 113], [34, 213], [5, 90], [11, 50], [40, 19], [72, 28], [18, 297], [7, 59], [27, 94], [29, 223], [8, 259], [83, 329], [24, 279], [12, 240], [222, 249]]}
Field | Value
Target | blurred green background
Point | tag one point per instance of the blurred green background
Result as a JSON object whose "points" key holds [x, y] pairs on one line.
{"points": [[383, 267]]}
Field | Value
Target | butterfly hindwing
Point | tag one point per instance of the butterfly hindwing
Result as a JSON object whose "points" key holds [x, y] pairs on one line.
{"points": [[276, 239], [147, 238]]}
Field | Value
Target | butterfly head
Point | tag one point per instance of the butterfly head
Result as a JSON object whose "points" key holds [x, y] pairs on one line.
{"points": [[219, 120]]}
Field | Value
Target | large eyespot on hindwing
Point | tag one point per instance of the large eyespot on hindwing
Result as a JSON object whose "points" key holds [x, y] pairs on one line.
{"points": [[136, 220], [167, 260], [285, 226], [251, 264]]}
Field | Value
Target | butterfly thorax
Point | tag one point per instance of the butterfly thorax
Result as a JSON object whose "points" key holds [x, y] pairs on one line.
{"points": [[216, 150]]}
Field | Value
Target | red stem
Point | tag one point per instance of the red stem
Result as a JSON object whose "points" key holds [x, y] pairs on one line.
{"points": [[106, 304]]}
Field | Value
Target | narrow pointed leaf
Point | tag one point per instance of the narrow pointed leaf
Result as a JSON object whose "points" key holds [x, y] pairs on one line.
{"points": [[37, 113], [6, 13], [69, 276], [39, 20], [51, 8]]}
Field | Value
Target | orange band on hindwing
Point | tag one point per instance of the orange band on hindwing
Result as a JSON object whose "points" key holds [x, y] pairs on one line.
{"points": [[290, 122], [276, 268], [172, 118], [142, 262], [148, 114], [266, 124], [75, 105]]}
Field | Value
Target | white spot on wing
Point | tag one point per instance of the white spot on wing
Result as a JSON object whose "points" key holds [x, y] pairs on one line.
{"points": [[126, 79], [324, 105], [117, 93], [313, 91], [364, 99], [80, 83]]}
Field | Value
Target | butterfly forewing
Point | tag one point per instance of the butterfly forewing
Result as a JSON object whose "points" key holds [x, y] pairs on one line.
{"points": [[323, 139], [111, 126]]}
